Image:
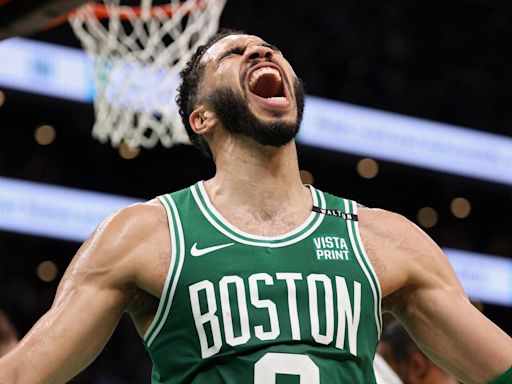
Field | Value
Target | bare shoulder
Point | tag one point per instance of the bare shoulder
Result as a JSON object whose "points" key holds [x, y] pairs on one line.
{"points": [[381, 221], [102, 281], [136, 217], [129, 228], [404, 256], [128, 239], [391, 228]]}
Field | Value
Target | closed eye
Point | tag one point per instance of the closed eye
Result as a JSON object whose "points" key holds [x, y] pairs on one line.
{"points": [[237, 50]]}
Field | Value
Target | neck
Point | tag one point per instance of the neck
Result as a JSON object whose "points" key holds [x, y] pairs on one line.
{"points": [[261, 179]]}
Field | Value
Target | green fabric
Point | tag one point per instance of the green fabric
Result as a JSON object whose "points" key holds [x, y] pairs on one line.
{"points": [[504, 378], [239, 308]]}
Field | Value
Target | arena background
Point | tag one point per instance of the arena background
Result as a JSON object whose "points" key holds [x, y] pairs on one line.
{"points": [[444, 61]]}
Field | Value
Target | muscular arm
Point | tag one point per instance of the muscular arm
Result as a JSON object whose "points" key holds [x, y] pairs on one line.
{"points": [[422, 291], [94, 292]]}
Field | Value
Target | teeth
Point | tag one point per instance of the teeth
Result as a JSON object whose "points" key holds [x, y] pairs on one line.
{"points": [[277, 98], [263, 71]]}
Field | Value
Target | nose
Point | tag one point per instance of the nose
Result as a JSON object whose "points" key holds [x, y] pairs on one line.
{"points": [[259, 52]]}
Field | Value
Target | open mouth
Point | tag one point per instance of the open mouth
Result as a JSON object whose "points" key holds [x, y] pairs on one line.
{"points": [[266, 82]]}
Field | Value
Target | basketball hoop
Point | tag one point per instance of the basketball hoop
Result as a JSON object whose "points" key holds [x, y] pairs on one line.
{"points": [[137, 54]]}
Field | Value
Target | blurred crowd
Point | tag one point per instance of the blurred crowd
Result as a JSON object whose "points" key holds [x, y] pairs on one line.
{"points": [[400, 361]]}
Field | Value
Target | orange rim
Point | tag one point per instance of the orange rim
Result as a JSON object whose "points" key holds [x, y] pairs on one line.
{"points": [[125, 12]]}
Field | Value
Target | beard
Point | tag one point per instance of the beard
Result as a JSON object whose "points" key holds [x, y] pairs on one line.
{"points": [[236, 117]]}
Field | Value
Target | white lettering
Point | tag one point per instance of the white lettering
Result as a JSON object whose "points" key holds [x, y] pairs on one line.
{"points": [[342, 314], [341, 243], [330, 242], [346, 317], [292, 301], [274, 331], [313, 279], [245, 333], [201, 319], [271, 364]]}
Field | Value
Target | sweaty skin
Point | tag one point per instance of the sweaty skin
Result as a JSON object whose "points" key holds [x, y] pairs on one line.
{"points": [[123, 265]]}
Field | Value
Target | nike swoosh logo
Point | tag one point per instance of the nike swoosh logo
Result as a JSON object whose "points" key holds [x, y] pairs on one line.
{"points": [[194, 251]]}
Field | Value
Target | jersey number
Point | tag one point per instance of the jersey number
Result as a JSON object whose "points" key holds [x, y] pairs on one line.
{"points": [[271, 364]]}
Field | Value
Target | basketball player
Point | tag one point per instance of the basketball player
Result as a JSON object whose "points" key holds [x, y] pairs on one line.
{"points": [[8, 337], [384, 374], [252, 277], [407, 360]]}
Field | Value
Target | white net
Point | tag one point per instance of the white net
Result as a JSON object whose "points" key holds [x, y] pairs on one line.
{"points": [[137, 54]]}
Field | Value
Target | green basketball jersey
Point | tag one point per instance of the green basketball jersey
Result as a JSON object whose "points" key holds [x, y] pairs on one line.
{"points": [[303, 307]]}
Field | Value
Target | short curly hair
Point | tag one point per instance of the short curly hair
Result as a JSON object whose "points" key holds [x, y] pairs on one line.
{"points": [[188, 90]]}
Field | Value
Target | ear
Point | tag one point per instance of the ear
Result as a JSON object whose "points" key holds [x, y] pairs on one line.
{"points": [[419, 365], [202, 120]]}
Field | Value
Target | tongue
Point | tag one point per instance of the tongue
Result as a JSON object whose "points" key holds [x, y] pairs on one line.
{"points": [[267, 86]]}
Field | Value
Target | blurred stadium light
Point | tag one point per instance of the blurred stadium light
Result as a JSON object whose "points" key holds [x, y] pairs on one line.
{"points": [[407, 140], [72, 214], [484, 277], [67, 73], [46, 69], [54, 211]]}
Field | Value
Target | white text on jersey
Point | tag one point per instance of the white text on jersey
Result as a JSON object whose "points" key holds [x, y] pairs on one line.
{"points": [[331, 248], [338, 309]]}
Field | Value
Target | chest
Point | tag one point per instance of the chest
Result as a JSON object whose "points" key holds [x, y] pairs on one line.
{"points": [[311, 285], [273, 223], [232, 296]]}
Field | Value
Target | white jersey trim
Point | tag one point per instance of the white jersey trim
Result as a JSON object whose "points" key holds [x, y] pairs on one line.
{"points": [[230, 226], [177, 256], [370, 266], [259, 243], [353, 240]]}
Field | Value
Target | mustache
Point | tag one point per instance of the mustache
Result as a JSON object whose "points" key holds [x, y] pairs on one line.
{"points": [[235, 116]]}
